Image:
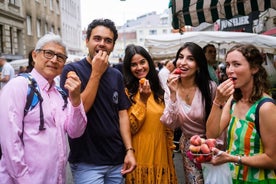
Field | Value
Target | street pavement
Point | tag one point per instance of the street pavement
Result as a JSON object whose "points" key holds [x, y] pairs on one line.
{"points": [[177, 162]]}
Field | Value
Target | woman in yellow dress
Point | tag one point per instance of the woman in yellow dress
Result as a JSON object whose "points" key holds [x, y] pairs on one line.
{"points": [[152, 140]]}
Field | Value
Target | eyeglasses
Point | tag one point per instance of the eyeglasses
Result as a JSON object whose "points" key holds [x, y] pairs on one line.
{"points": [[50, 54]]}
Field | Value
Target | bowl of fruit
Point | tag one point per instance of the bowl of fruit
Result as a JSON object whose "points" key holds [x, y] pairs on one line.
{"points": [[201, 148]]}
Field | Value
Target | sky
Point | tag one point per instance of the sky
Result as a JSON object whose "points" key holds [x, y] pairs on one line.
{"points": [[119, 11]]}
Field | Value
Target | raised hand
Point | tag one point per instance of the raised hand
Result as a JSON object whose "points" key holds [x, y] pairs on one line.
{"points": [[73, 85]]}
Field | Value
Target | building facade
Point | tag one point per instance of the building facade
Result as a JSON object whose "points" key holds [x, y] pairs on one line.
{"points": [[71, 26], [23, 22], [11, 29], [135, 31]]}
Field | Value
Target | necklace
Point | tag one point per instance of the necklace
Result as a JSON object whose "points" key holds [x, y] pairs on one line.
{"points": [[187, 94]]}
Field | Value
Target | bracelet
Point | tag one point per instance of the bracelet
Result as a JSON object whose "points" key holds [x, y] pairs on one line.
{"points": [[132, 149], [218, 105], [239, 161]]}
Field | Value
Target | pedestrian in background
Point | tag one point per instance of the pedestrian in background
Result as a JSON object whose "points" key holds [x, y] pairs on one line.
{"points": [[30, 61], [35, 151], [152, 140], [191, 94], [119, 65], [251, 150], [211, 54], [7, 72], [104, 153], [163, 74]]}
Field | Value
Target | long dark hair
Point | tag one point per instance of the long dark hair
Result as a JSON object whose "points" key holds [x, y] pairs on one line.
{"points": [[202, 78], [132, 83], [255, 59]]}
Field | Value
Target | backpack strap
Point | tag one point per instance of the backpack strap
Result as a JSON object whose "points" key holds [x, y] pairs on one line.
{"points": [[64, 96], [33, 98], [264, 100]]}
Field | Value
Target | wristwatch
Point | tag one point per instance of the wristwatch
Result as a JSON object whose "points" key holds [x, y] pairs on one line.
{"points": [[239, 161]]}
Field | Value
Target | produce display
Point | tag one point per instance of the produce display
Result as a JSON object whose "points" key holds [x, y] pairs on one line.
{"points": [[201, 149]]}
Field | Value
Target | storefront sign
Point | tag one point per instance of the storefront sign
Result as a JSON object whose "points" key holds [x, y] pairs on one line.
{"points": [[234, 22]]}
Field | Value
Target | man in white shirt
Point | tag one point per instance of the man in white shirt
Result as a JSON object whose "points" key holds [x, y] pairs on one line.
{"points": [[7, 72], [163, 74]]}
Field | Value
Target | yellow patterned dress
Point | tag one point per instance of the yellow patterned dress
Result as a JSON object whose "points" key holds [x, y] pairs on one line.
{"points": [[153, 144], [243, 139]]}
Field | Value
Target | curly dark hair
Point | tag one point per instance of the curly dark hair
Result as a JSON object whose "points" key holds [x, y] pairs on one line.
{"points": [[255, 59], [132, 83], [202, 79], [102, 22]]}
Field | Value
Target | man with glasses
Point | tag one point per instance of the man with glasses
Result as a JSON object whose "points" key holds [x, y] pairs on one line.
{"points": [[104, 153], [31, 153]]}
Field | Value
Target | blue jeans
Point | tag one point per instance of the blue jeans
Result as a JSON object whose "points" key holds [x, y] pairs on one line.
{"points": [[96, 174]]}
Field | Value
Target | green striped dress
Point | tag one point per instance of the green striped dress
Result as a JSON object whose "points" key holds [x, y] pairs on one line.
{"points": [[244, 140]]}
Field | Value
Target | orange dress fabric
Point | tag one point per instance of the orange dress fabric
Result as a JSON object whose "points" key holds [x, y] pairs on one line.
{"points": [[153, 144]]}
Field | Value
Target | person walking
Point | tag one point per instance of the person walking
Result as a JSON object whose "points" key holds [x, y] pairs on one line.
{"points": [[34, 147], [104, 153], [251, 136], [7, 72], [152, 140]]}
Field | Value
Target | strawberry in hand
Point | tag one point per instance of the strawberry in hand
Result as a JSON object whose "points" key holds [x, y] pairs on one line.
{"points": [[177, 71]]}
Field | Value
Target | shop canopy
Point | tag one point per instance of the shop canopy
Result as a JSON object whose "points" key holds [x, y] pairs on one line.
{"points": [[166, 46], [195, 12]]}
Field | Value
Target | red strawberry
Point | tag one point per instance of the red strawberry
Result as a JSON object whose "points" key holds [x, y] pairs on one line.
{"points": [[177, 71]]}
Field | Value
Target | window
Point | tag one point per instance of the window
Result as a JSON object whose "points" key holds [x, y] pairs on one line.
{"points": [[51, 5], [152, 32], [45, 28], [11, 40], [52, 29], [1, 39], [38, 27], [20, 44], [29, 25], [12, 2], [57, 8]]}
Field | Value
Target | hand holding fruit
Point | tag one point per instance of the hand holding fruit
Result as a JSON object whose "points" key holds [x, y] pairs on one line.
{"points": [[73, 85], [144, 89], [202, 148]]}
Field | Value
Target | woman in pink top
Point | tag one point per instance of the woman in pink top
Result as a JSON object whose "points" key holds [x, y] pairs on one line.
{"points": [[189, 102], [40, 156]]}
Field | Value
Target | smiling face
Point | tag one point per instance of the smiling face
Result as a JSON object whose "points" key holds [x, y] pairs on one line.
{"points": [[238, 68], [49, 68], [139, 66], [101, 38], [186, 63]]}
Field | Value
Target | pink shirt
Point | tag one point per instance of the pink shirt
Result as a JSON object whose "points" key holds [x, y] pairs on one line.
{"points": [[190, 121], [43, 157]]}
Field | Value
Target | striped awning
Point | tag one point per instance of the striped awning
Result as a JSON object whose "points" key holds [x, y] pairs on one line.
{"points": [[195, 12]]}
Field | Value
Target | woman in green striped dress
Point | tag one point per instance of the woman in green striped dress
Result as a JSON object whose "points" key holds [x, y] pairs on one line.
{"points": [[251, 150]]}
